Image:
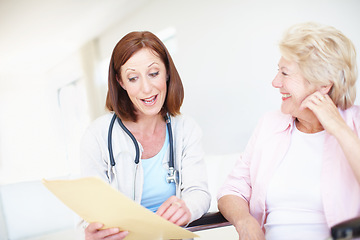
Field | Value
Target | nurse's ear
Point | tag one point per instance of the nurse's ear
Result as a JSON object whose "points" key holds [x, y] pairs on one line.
{"points": [[120, 82], [325, 89]]}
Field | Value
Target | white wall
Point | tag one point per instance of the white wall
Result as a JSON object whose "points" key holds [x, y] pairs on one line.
{"points": [[226, 55], [33, 135]]}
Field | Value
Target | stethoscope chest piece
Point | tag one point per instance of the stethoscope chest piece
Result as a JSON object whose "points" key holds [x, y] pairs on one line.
{"points": [[173, 176]]}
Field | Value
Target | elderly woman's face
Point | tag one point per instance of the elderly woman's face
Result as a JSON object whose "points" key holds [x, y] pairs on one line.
{"points": [[294, 88]]}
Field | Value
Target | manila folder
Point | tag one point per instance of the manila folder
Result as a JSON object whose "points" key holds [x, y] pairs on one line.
{"points": [[96, 201]]}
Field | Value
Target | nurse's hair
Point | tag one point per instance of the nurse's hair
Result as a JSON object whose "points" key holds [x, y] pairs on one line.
{"points": [[117, 99], [325, 56]]}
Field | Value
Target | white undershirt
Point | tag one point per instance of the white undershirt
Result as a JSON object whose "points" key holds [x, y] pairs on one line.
{"points": [[294, 202]]}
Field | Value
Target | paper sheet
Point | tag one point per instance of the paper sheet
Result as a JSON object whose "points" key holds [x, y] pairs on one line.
{"points": [[96, 201]]}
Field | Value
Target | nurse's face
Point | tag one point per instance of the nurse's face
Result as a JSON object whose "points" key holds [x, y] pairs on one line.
{"points": [[144, 76], [294, 88]]}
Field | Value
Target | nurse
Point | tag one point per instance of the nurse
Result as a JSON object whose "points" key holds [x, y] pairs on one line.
{"points": [[144, 88]]}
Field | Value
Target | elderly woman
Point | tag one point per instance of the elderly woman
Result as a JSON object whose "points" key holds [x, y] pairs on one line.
{"points": [[150, 138], [300, 172]]}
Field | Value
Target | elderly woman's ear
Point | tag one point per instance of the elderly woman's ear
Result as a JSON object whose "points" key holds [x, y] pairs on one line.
{"points": [[326, 88]]}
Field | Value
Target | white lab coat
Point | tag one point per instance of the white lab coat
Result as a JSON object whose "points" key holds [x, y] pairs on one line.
{"points": [[127, 177]]}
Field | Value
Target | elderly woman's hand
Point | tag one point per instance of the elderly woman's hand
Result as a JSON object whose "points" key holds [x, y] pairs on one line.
{"points": [[94, 232], [325, 110], [175, 211]]}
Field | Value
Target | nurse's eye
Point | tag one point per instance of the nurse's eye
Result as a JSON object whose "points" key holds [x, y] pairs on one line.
{"points": [[132, 79], [154, 74]]}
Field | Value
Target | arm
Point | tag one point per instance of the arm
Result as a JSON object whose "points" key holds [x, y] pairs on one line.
{"points": [[236, 210], [193, 173], [236, 193], [192, 199], [91, 163], [93, 153], [350, 144], [330, 118]]}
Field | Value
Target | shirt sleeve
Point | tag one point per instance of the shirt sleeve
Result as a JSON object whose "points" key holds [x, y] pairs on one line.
{"points": [[238, 181], [194, 186], [92, 156]]}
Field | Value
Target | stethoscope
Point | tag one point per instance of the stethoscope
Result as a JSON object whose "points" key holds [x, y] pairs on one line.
{"points": [[173, 174]]}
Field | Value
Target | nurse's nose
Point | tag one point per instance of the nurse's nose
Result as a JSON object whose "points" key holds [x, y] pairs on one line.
{"points": [[146, 85]]}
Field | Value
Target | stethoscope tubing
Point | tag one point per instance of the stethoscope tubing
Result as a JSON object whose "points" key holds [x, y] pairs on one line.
{"points": [[111, 155], [168, 125], [172, 175]]}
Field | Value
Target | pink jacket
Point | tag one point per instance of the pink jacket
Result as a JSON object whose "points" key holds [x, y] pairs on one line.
{"points": [[266, 149]]}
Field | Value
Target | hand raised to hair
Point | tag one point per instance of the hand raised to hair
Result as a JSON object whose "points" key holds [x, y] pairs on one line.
{"points": [[175, 210], [325, 110]]}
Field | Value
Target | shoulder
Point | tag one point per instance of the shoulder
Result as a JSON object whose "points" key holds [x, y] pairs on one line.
{"points": [[185, 127], [184, 122], [100, 125], [352, 112], [96, 133], [275, 121], [351, 116]]}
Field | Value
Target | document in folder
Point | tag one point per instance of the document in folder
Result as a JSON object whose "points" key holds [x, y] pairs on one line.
{"points": [[96, 201]]}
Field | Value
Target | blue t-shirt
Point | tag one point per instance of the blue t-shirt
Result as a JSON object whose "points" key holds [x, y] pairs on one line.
{"points": [[155, 189]]}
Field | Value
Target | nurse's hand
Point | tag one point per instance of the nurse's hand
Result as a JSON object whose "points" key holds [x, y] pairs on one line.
{"points": [[175, 210], [94, 232]]}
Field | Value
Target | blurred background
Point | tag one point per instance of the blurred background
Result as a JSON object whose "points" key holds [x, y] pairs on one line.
{"points": [[54, 58]]}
